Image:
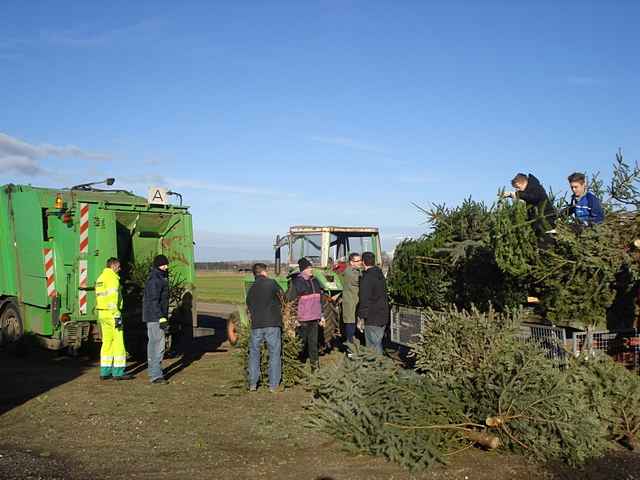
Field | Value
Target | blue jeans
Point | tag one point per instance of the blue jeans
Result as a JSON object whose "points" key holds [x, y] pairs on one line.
{"points": [[349, 331], [272, 336], [373, 337], [155, 350]]}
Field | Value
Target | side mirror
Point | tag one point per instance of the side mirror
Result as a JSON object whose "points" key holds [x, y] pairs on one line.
{"points": [[278, 262]]}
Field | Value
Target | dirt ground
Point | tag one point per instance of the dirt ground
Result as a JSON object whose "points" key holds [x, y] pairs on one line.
{"points": [[58, 421]]}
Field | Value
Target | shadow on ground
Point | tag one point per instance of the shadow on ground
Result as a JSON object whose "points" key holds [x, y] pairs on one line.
{"points": [[189, 348], [33, 370], [617, 464], [22, 376]]}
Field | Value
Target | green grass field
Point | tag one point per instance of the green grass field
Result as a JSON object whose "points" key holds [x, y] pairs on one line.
{"points": [[219, 287]]}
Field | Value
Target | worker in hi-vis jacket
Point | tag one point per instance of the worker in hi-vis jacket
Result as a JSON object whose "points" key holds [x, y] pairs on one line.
{"points": [[113, 355]]}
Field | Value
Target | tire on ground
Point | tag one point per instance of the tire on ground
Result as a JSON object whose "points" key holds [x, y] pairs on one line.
{"points": [[11, 328], [233, 323]]}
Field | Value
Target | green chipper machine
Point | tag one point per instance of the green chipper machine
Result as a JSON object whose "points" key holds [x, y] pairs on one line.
{"points": [[55, 243]]}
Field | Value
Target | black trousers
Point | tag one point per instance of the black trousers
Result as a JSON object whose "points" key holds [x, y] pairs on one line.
{"points": [[308, 333]]}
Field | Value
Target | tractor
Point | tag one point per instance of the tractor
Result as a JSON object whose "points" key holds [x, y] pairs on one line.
{"points": [[328, 249]]}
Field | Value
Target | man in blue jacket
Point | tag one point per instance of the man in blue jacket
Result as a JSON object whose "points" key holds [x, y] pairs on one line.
{"points": [[155, 310], [585, 206]]}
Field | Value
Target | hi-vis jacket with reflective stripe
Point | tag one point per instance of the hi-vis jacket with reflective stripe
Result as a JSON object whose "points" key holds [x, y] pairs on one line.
{"points": [[108, 292]]}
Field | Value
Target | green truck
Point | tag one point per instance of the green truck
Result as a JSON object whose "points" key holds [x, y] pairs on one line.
{"points": [[55, 243]]}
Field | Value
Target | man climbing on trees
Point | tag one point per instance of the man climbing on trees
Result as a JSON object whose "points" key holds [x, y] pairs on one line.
{"points": [[585, 206], [540, 210]]}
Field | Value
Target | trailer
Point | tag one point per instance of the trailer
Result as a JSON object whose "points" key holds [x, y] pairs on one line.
{"points": [[55, 243]]}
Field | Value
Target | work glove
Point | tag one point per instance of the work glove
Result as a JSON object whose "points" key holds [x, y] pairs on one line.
{"points": [[118, 322], [164, 324]]}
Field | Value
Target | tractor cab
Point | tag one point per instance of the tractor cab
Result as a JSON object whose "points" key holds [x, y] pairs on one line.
{"points": [[327, 248]]}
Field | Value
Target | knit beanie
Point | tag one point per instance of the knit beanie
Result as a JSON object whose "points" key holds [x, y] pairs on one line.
{"points": [[160, 260], [303, 264]]}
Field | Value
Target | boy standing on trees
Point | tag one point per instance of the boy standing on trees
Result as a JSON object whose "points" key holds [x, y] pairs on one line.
{"points": [[585, 206], [540, 211]]}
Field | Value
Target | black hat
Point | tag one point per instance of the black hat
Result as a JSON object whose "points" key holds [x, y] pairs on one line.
{"points": [[303, 264], [160, 260]]}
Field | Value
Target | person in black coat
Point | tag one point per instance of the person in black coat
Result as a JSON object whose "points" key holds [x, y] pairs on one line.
{"points": [[155, 313], [265, 308], [540, 210], [373, 306]]}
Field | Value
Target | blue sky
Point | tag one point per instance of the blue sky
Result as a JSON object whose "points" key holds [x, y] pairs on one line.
{"points": [[268, 114]]}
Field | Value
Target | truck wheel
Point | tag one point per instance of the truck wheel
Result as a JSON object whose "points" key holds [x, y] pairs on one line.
{"points": [[11, 329], [168, 342], [232, 328]]}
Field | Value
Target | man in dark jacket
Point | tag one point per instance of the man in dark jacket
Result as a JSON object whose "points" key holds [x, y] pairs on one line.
{"points": [[155, 310], [540, 210], [265, 308], [373, 305]]}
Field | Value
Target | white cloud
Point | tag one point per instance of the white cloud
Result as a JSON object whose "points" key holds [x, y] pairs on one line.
{"points": [[89, 36], [416, 179], [20, 157], [582, 80], [154, 162], [183, 183], [20, 165], [348, 142], [212, 246], [13, 146]]}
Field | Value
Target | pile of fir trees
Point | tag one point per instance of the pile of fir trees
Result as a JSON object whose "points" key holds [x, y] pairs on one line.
{"points": [[293, 369], [480, 256], [477, 383]]}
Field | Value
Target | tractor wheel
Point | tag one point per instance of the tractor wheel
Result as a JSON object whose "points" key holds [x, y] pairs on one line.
{"points": [[331, 327], [168, 342], [11, 329], [232, 328]]}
